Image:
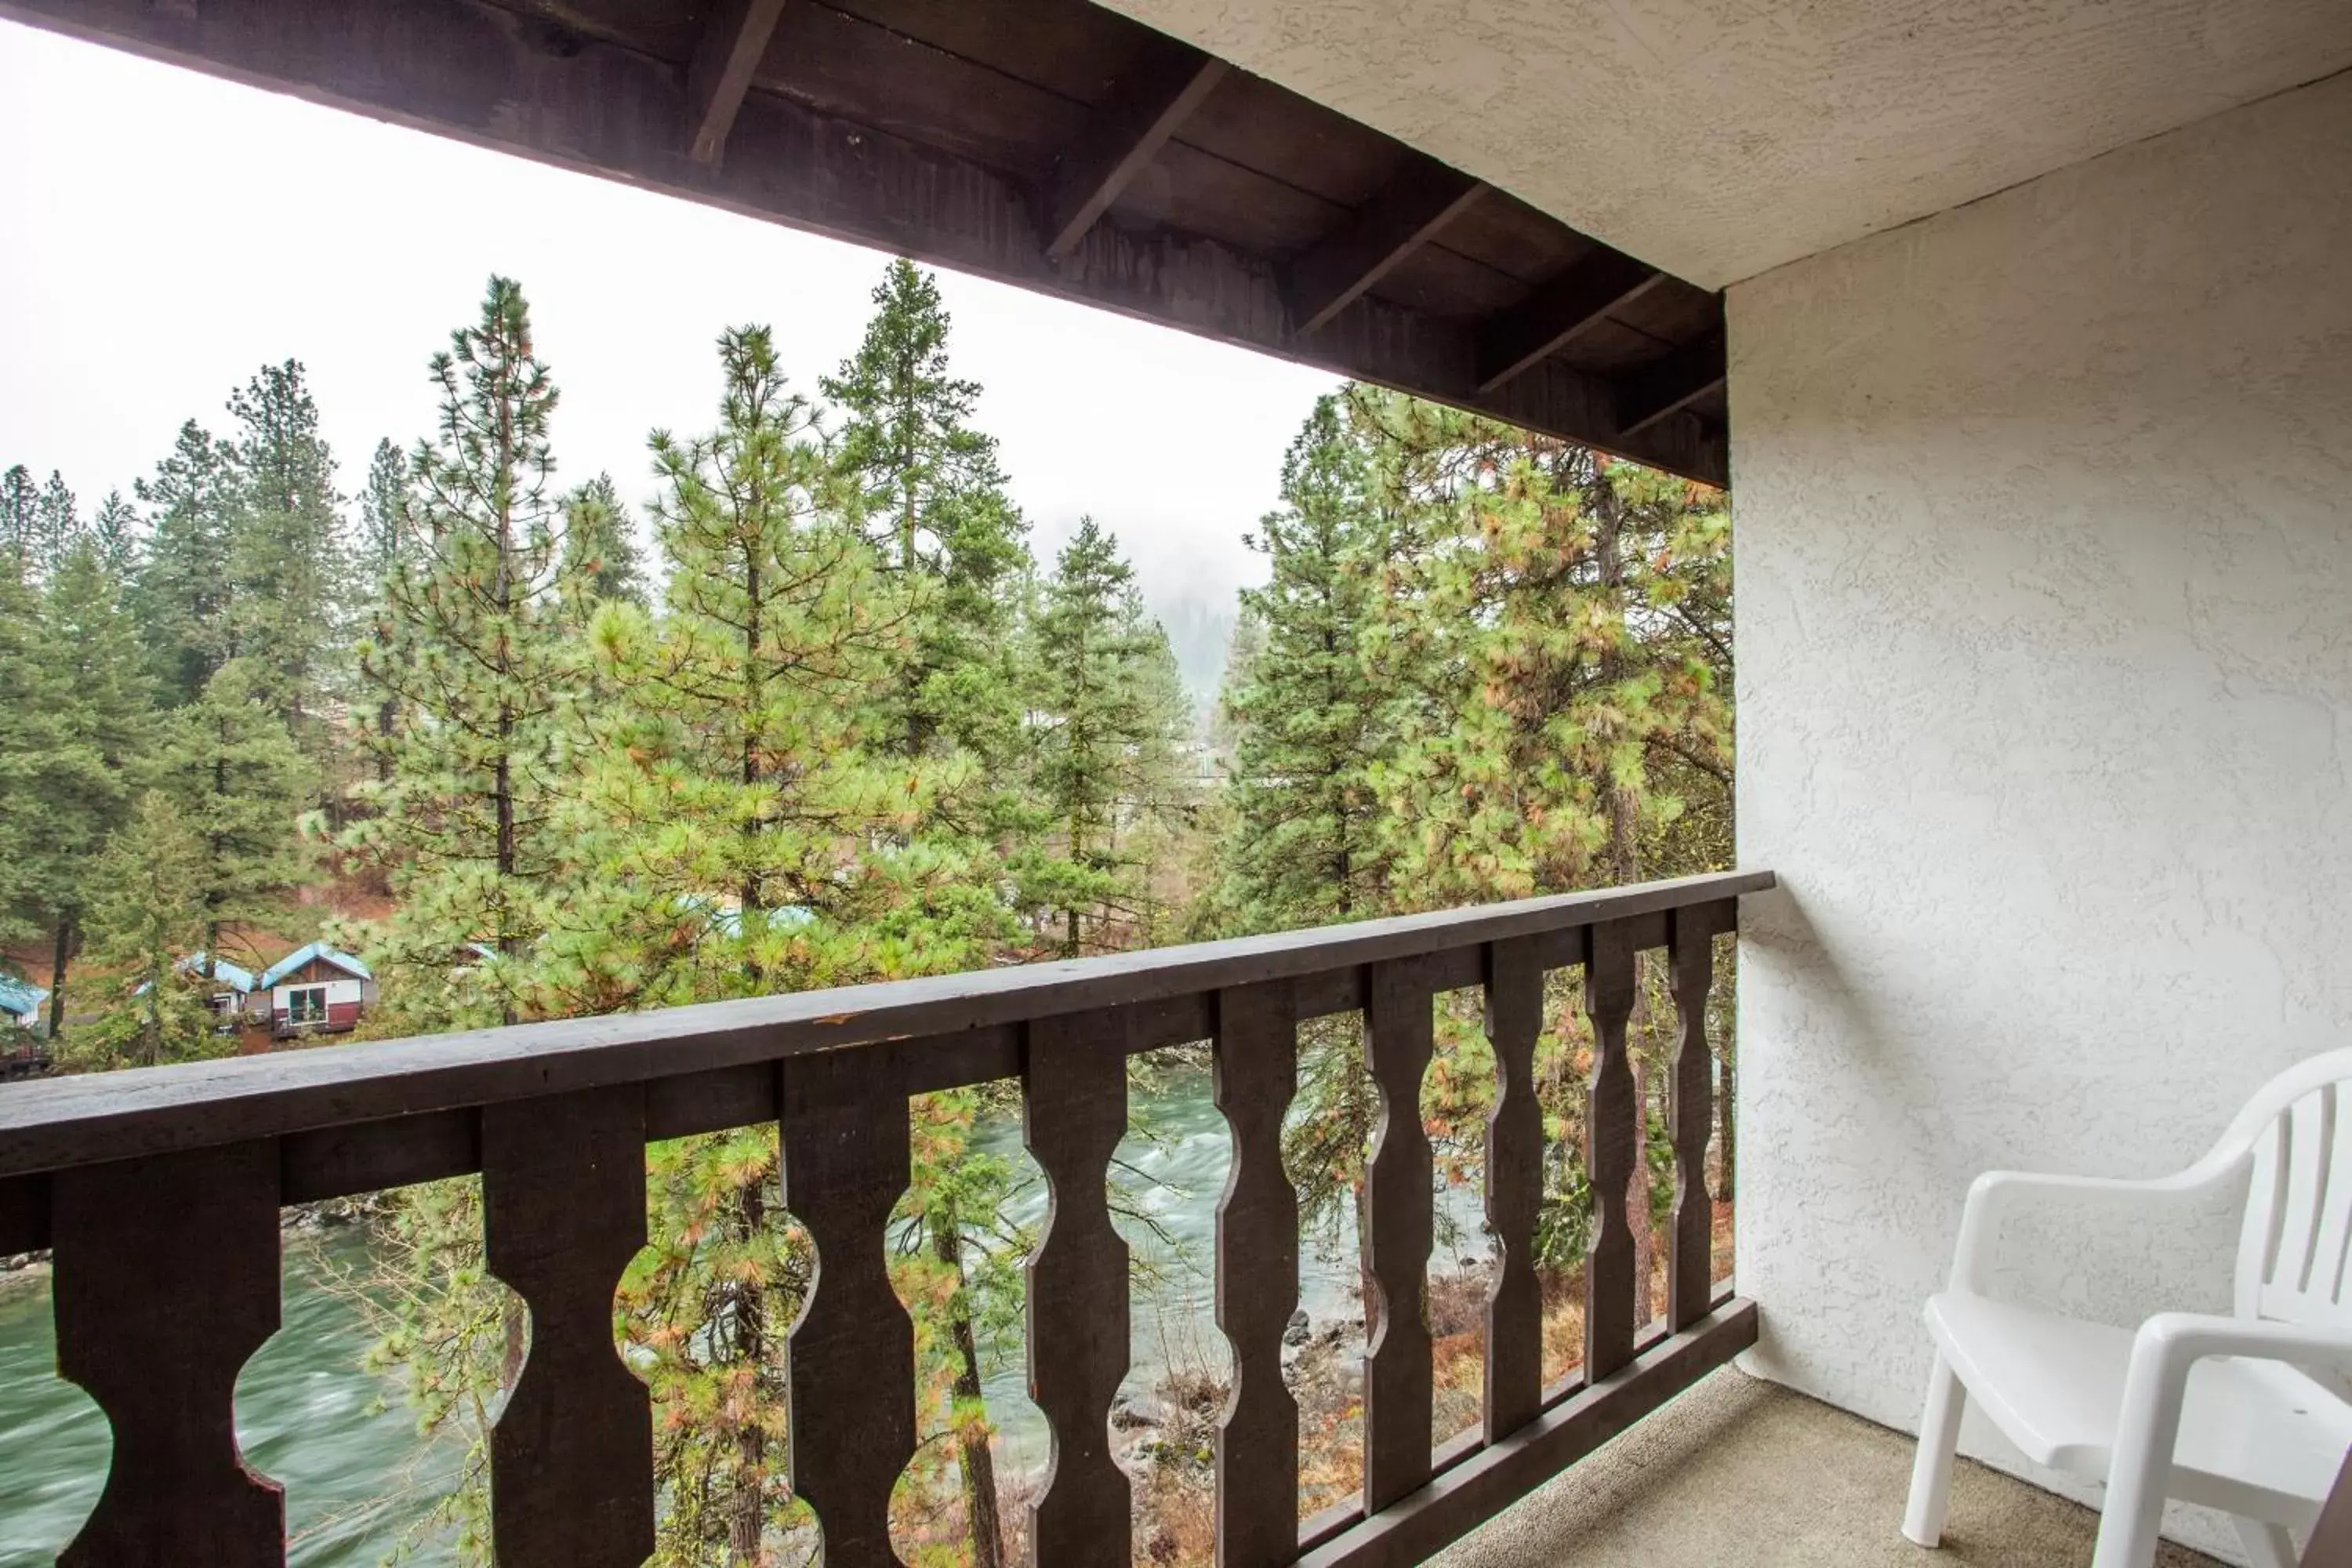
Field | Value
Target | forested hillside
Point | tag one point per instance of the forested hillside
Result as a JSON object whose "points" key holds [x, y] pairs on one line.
{"points": [[786, 701]]}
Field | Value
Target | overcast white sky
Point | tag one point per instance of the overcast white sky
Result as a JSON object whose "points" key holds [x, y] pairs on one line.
{"points": [[163, 233]]}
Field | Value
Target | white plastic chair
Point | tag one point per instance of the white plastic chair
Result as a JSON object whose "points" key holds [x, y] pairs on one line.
{"points": [[2230, 1402]]}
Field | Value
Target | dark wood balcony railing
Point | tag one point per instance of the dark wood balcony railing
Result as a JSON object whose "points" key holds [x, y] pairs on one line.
{"points": [[158, 1192]]}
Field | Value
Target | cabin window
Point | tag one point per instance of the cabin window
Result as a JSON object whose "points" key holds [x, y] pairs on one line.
{"points": [[306, 1005]]}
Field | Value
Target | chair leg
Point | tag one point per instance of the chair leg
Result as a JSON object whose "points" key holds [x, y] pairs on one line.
{"points": [[2132, 1516], [2267, 1545], [1931, 1470]]}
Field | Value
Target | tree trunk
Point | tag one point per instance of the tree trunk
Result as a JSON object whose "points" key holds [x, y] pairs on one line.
{"points": [[747, 1511], [1726, 1186], [1637, 1194], [58, 975], [972, 1453]]}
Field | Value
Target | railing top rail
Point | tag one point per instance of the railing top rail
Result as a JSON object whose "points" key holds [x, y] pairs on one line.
{"points": [[59, 1123]]}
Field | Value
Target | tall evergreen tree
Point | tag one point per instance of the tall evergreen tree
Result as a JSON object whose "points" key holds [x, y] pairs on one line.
{"points": [[1108, 708], [288, 560], [386, 543], [83, 722], [20, 500], [935, 509], [470, 639], [1303, 710], [181, 596], [114, 529], [235, 772], [146, 918], [600, 543]]}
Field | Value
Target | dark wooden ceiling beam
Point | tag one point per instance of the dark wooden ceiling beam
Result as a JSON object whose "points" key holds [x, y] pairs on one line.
{"points": [[1553, 316], [732, 43], [1648, 392], [1406, 214], [522, 84], [1126, 133]]}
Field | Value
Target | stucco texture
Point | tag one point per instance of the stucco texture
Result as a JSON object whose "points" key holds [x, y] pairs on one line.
{"points": [[2043, 511], [1720, 138]]}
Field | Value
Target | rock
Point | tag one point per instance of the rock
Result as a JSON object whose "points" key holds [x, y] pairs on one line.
{"points": [[1133, 1416], [1300, 1330]]}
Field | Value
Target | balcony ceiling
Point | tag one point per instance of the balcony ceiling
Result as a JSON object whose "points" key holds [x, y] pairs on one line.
{"points": [[1719, 138], [1052, 144]]}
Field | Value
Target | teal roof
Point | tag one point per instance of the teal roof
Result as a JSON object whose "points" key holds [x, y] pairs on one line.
{"points": [[21, 998], [302, 955], [236, 976]]}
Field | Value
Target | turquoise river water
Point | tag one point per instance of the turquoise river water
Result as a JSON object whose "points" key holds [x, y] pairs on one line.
{"points": [[356, 1474]]}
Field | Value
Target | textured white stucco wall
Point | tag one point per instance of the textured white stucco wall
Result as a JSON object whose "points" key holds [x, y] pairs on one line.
{"points": [[2044, 512], [1718, 138]]}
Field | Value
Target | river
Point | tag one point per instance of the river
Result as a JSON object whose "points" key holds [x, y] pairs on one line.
{"points": [[356, 1474]]}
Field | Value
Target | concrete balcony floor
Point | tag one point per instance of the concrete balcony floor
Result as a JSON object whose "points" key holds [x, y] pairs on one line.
{"points": [[1739, 1473]]}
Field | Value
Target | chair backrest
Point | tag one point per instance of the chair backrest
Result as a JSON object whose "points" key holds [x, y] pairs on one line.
{"points": [[2292, 1262]]}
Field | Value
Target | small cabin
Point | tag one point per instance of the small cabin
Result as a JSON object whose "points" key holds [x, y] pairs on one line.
{"points": [[233, 985], [20, 1002], [317, 989]]}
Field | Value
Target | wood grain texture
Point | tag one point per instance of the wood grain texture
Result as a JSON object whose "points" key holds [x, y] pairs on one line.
{"points": [[167, 1282], [1553, 316], [1399, 1231], [564, 1213], [733, 41], [1690, 1267], [1141, 113], [1515, 1155], [852, 1357], [1466, 1494], [1256, 1075], [1655, 391], [1611, 1148], [536, 82], [1410, 212], [1073, 1114], [60, 1122]]}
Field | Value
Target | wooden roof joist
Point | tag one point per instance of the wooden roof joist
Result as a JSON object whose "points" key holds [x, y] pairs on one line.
{"points": [[1045, 143]]}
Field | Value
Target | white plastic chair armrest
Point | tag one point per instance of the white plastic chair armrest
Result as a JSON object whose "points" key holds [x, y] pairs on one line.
{"points": [[2148, 1424], [2173, 1342], [1992, 1195]]}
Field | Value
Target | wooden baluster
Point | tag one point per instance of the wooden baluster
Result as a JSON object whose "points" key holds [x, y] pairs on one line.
{"points": [[1257, 1277], [1514, 1188], [1398, 1230], [564, 1213], [1690, 1262], [167, 1282], [852, 1362], [1612, 1144], [1073, 1114]]}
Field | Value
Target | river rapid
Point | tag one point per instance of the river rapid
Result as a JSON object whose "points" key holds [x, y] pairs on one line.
{"points": [[358, 1476]]}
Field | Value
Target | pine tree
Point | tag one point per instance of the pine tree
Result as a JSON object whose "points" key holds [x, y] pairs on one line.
{"points": [[470, 639], [600, 543], [290, 579], [242, 784], [1108, 708], [1303, 711], [57, 523], [937, 511], [181, 596], [748, 828], [386, 543], [146, 920], [114, 529], [82, 722], [19, 527]]}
